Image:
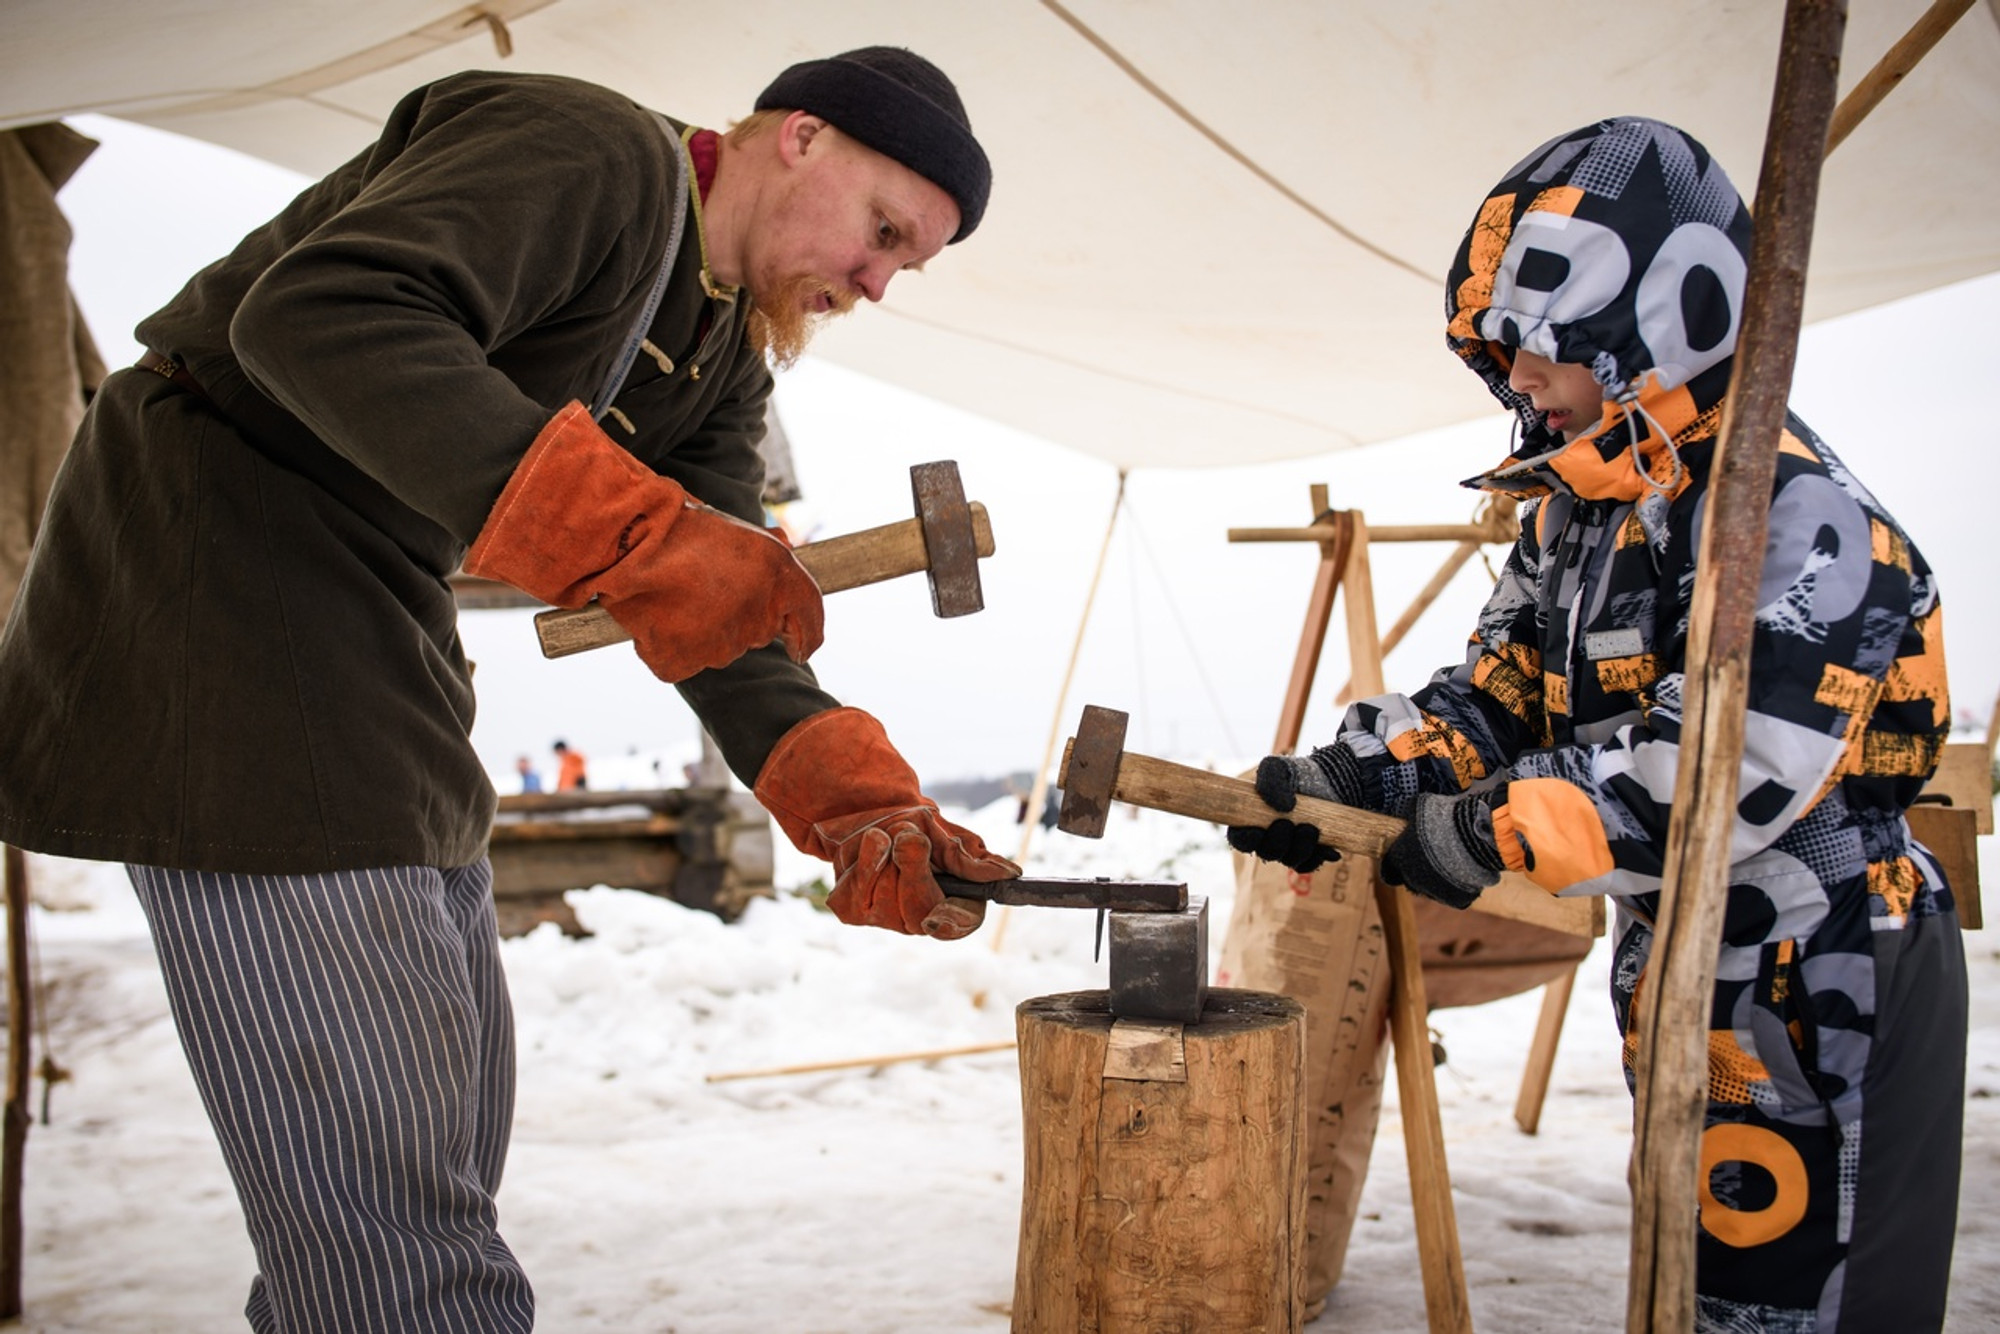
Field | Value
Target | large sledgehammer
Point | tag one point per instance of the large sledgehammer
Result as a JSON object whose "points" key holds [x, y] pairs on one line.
{"points": [[945, 540]]}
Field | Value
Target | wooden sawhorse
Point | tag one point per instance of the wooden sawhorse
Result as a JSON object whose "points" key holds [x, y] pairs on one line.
{"points": [[1344, 539]]}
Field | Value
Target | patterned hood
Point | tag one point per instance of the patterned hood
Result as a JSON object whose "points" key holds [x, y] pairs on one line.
{"points": [[1621, 246]]}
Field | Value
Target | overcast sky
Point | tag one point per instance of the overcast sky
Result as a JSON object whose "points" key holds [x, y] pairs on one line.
{"points": [[1190, 634]]}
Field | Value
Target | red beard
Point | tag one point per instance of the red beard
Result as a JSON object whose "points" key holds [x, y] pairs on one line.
{"points": [[780, 325]]}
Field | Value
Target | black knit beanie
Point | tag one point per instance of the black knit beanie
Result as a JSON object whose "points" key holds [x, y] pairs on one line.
{"points": [[903, 107]]}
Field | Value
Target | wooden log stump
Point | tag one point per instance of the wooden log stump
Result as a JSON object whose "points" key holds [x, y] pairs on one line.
{"points": [[1164, 1189]]}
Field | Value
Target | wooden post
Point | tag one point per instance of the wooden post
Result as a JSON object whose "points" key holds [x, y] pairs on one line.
{"points": [[1542, 1053], [1420, 604], [1992, 730], [1319, 612], [1445, 1300], [1164, 1185], [14, 1129], [1446, 1303], [1672, 1089]]}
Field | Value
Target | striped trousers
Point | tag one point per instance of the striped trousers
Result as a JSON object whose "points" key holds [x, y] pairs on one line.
{"points": [[353, 1043]]}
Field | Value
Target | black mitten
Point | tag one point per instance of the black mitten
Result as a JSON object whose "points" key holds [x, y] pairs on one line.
{"points": [[1296, 845], [1330, 773]]}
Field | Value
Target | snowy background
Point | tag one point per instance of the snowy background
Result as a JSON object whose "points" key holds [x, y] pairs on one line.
{"points": [[876, 1200], [645, 1199]]}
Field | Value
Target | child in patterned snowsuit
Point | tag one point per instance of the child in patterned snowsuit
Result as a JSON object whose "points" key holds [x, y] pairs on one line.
{"points": [[1598, 294]]}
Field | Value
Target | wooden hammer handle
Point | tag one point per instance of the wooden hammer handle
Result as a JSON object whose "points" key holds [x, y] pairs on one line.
{"points": [[1178, 789], [838, 563]]}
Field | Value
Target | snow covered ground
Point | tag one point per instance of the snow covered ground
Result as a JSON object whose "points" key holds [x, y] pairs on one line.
{"points": [[877, 1200]]}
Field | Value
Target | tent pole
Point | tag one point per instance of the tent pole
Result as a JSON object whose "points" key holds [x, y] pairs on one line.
{"points": [[1890, 70], [14, 1128], [1993, 718], [1672, 1069], [1038, 793]]}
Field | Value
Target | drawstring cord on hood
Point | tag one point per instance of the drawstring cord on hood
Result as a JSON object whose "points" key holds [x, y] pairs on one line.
{"points": [[1652, 506]]}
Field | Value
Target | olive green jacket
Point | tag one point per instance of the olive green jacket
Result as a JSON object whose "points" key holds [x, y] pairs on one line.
{"points": [[236, 649]]}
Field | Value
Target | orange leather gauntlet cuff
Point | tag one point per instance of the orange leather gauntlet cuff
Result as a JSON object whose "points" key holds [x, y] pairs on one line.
{"points": [[833, 764], [575, 506]]}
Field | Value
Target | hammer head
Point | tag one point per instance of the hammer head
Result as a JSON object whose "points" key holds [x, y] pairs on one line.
{"points": [[948, 538], [1090, 772]]}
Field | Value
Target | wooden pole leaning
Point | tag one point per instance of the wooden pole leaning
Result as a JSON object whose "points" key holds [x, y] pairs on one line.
{"points": [[1672, 1023], [1890, 70], [1038, 790]]}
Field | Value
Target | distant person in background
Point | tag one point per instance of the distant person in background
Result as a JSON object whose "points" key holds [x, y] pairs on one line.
{"points": [[528, 332], [1598, 295], [570, 767], [531, 781]]}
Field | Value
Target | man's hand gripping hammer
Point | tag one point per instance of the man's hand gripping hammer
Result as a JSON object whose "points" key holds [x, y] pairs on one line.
{"points": [[945, 540]]}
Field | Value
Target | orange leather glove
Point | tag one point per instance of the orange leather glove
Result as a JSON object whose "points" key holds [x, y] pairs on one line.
{"points": [[581, 518], [841, 792]]}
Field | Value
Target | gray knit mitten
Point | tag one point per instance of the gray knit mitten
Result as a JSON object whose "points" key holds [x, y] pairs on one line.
{"points": [[1446, 851], [1330, 773]]}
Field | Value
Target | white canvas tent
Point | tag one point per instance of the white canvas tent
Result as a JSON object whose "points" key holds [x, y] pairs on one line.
{"points": [[1218, 232], [1218, 235]]}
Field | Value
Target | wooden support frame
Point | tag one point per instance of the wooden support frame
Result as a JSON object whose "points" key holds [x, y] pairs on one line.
{"points": [[1542, 1053], [1344, 538], [1446, 1301]]}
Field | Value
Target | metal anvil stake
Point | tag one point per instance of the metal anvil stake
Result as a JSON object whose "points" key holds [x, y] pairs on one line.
{"points": [[1158, 937]]}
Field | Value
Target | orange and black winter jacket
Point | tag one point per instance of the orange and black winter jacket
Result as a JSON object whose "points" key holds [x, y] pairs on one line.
{"points": [[1623, 247]]}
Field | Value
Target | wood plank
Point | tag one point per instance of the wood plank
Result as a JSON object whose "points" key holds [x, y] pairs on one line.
{"points": [[669, 800], [535, 868], [1951, 835], [1520, 899], [1446, 1303], [1964, 779]]}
